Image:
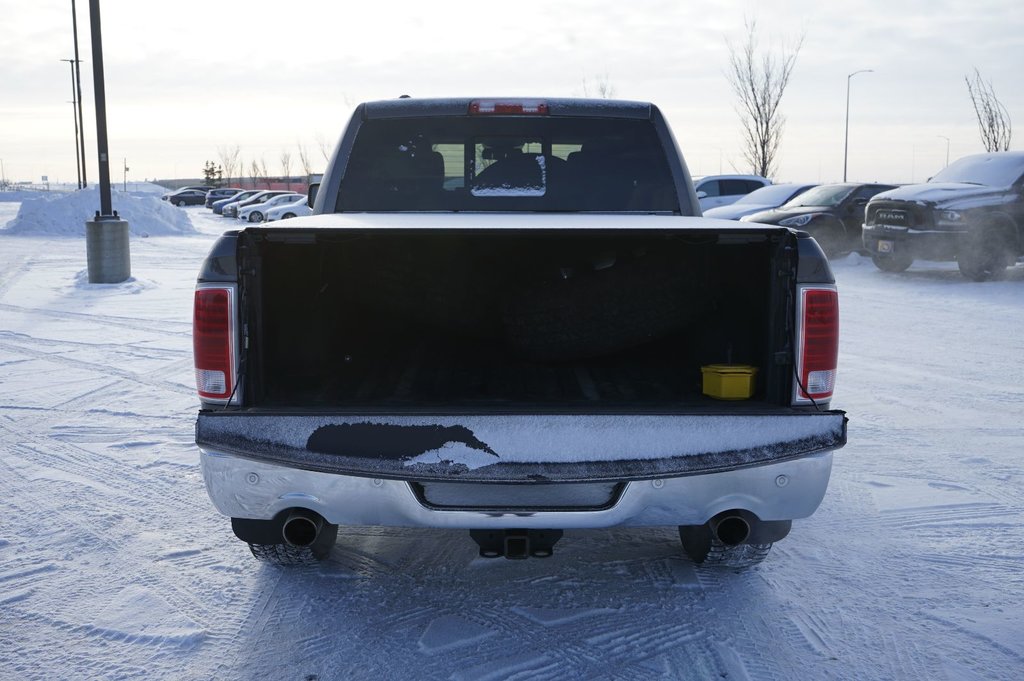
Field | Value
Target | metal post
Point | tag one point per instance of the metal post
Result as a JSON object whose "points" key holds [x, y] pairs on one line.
{"points": [[846, 138], [106, 236], [74, 117], [78, 86], [101, 108], [125, 188]]}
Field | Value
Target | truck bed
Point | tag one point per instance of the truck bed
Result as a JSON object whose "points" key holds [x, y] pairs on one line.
{"points": [[501, 319]]}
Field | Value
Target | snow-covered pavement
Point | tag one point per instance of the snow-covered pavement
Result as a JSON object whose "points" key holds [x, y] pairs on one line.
{"points": [[114, 565]]}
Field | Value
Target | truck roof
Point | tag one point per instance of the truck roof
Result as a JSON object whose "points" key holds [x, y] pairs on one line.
{"points": [[460, 106]]}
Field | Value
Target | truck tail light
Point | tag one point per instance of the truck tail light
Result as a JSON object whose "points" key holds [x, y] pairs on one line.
{"points": [[213, 342], [818, 343], [534, 107]]}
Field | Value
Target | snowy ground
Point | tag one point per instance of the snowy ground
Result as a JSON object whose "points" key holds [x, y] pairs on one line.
{"points": [[113, 563]]}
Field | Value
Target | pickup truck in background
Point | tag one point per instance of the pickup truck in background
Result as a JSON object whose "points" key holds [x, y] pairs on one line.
{"points": [[507, 316], [972, 211]]}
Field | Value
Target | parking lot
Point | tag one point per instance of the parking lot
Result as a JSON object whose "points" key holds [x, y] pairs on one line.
{"points": [[113, 563]]}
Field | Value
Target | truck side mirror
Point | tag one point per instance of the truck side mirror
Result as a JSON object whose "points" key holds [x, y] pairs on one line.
{"points": [[702, 194], [314, 187]]}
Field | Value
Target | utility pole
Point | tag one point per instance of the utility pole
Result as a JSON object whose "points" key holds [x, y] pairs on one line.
{"points": [[78, 87], [74, 117], [106, 236], [125, 188]]}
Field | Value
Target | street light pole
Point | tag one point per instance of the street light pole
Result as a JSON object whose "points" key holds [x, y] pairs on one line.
{"points": [[78, 85], [74, 117], [106, 236], [947, 147], [846, 138], [125, 180], [99, 88]]}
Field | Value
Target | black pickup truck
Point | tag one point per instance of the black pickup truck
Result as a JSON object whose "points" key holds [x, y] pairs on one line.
{"points": [[507, 315], [971, 212]]}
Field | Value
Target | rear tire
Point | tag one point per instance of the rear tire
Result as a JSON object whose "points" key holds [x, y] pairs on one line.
{"points": [[255, 216], [286, 554], [704, 549], [287, 216], [743, 556], [892, 263], [180, 204]]}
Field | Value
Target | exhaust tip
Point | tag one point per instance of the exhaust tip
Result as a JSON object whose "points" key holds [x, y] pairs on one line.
{"points": [[301, 527], [732, 530]]}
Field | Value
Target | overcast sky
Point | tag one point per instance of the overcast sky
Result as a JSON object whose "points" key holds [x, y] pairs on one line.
{"points": [[192, 77]]}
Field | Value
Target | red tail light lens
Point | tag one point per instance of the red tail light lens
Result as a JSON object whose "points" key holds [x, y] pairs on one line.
{"points": [[819, 342], [212, 345]]}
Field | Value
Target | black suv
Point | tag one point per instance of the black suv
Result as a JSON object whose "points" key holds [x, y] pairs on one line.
{"points": [[971, 212]]}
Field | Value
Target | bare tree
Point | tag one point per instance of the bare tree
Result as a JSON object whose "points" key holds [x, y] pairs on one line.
{"points": [[325, 148], [993, 118], [264, 173], [254, 172], [229, 161], [602, 85], [307, 166], [759, 81], [286, 166]]}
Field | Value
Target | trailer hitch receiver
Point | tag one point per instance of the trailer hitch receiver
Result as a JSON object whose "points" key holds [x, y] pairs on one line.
{"points": [[516, 544]]}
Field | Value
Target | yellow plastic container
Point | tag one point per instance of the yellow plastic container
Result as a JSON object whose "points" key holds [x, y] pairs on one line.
{"points": [[729, 381]]}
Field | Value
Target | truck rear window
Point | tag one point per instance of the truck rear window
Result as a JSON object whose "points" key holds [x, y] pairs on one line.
{"points": [[503, 163]]}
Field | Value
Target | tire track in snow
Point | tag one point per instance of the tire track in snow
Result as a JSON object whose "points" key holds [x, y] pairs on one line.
{"points": [[11, 273], [593, 638], [101, 369], [112, 540], [517, 642], [99, 472], [133, 348], [70, 585], [161, 327]]}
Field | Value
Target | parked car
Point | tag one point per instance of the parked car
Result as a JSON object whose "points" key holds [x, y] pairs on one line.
{"points": [[185, 197], [199, 187], [220, 193], [831, 213], [257, 212], [971, 212], [231, 210], [721, 190], [289, 210], [218, 206], [765, 198]]}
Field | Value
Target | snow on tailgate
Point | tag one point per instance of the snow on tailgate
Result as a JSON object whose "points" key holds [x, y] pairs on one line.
{"points": [[561, 447]]}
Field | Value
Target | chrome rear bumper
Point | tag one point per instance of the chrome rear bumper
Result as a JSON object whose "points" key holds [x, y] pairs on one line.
{"points": [[247, 488]]}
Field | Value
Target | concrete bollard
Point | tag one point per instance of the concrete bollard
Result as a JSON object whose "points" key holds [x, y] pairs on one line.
{"points": [[107, 253]]}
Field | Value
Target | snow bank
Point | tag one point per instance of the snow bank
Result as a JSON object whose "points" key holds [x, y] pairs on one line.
{"points": [[145, 188], [17, 195], [64, 214]]}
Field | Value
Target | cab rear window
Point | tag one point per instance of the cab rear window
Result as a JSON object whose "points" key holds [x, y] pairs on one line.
{"points": [[501, 163]]}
